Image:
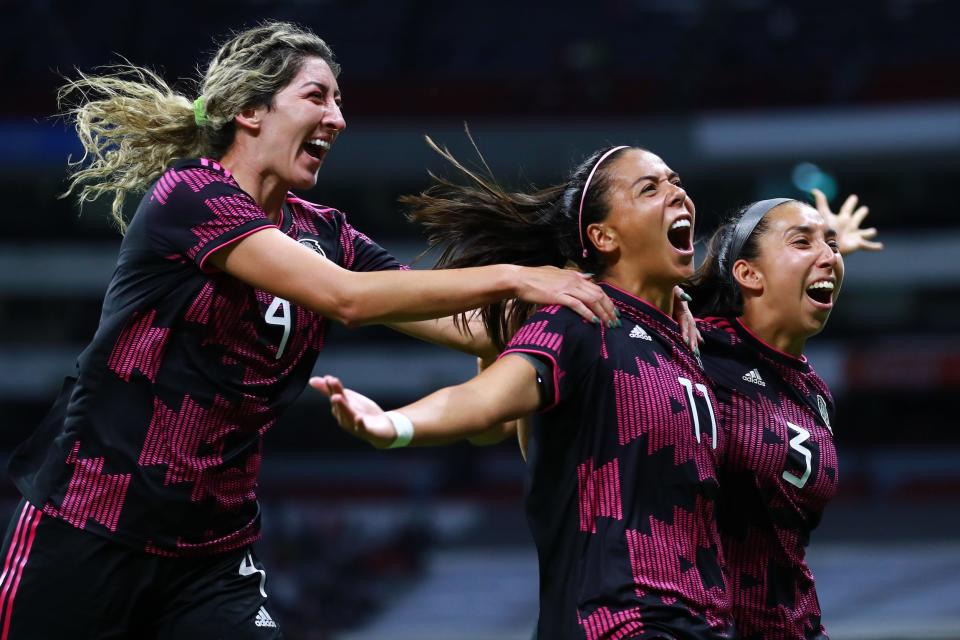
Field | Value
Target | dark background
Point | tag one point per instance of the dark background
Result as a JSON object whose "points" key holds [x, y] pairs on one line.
{"points": [[746, 99]]}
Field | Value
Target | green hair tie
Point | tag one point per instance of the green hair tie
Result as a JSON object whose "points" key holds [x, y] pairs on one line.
{"points": [[200, 111]]}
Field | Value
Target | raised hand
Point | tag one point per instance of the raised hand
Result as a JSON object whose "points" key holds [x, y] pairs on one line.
{"points": [[847, 223], [356, 414], [551, 285]]}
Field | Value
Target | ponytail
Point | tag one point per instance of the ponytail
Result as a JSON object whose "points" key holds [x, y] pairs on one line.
{"points": [[481, 223], [133, 125]]}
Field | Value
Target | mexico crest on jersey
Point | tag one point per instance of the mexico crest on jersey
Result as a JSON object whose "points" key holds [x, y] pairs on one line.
{"points": [[312, 243], [822, 405]]}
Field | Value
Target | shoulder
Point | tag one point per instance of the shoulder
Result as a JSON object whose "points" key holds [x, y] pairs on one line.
{"points": [[314, 211], [555, 326], [191, 177], [718, 331]]}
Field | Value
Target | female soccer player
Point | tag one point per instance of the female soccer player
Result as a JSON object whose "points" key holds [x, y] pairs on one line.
{"points": [[769, 282], [622, 491], [139, 506]]}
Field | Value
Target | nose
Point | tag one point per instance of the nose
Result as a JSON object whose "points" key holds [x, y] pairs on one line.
{"points": [[333, 118], [828, 256], [679, 196]]}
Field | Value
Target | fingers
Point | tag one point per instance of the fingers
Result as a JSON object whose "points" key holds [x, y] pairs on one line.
{"points": [[821, 201], [866, 234], [583, 310], [859, 215], [872, 246], [334, 384], [319, 384], [848, 205], [343, 412], [596, 303]]}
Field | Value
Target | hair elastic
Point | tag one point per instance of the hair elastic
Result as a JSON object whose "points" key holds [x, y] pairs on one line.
{"points": [[583, 196], [744, 229], [200, 111]]}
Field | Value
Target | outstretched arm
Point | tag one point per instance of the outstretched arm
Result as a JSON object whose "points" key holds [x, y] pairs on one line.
{"points": [[505, 391], [444, 332], [271, 261], [847, 223]]}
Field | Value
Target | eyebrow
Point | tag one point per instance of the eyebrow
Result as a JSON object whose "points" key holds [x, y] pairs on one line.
{"points": [[670, 176], [320, 85], [803, 228]]}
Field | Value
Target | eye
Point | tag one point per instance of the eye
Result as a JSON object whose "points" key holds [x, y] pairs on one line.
{"points": [[648, 187], [834, 244], [677, 183], [801, 242]]}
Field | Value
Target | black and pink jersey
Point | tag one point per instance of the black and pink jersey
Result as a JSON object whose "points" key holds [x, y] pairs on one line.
{"points": [[778, 470], [157, 444], [622, 482]]}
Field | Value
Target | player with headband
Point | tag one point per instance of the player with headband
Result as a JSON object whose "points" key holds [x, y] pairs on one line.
{"points": [[767, 285], [622, 482]]}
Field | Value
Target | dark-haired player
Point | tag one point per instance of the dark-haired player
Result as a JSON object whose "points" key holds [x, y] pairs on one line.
{"points": [[621, 498], [769, 282]]}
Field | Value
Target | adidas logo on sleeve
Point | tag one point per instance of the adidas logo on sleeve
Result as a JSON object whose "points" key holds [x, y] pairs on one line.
{"points": [[754, 376], [638, 332], [263, 619]]}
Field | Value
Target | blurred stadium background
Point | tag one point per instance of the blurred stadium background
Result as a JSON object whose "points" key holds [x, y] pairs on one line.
{"points": [[745, 98]]}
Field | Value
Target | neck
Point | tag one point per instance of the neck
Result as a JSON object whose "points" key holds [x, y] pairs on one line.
{"points": [[266, 189], [770, 330], [658, 294]]}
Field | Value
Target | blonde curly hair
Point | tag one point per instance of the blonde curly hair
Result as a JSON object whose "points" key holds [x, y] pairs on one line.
{"points": [[133, 125]]}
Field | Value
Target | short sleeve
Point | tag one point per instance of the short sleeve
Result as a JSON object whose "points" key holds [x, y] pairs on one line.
{"points": [[562, 338], [360, 253], [194, 211]]}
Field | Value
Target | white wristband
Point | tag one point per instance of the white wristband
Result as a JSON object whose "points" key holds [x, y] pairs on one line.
{"points": [[403, 427]]}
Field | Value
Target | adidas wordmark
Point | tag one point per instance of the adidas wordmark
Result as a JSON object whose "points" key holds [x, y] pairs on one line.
{"points": [[263, 619], [638, 332]]}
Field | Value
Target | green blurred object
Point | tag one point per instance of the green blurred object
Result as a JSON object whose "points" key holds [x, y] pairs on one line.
{"points": [[807, 176]]}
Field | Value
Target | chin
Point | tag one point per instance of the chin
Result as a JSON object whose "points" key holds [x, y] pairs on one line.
{"points": [[304, 181], [815, 325]]}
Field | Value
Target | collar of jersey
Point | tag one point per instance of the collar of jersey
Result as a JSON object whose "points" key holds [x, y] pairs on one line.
{"points": [[209, 164], [633, 306], [748, 336]]}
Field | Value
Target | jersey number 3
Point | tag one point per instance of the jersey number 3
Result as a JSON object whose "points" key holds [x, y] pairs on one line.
{"points": [[796, 443], [692, 403]]}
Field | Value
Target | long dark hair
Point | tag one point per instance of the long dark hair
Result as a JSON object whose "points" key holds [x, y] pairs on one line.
{"points": [[480, 223]]}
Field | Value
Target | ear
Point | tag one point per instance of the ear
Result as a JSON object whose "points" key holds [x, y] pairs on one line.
{"points": [[604, 238], [748, 277], [250, 119]]}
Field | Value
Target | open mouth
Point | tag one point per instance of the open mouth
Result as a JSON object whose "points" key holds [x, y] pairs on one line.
{"points": [[680, 235], [821, 292], [316, 147]]}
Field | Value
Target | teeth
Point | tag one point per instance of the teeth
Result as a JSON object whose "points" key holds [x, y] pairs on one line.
{"points": [[323, 144], [680, 224], [823, 284]]}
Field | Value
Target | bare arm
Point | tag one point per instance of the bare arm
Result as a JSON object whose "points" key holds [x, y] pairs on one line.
{"points": [[443, 332], [271, 261], [505, 391], [498, 432]]}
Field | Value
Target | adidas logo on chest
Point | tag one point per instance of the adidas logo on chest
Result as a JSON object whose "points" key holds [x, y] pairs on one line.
{"points": [[754, 376], [263, 619], [638, 332]]}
